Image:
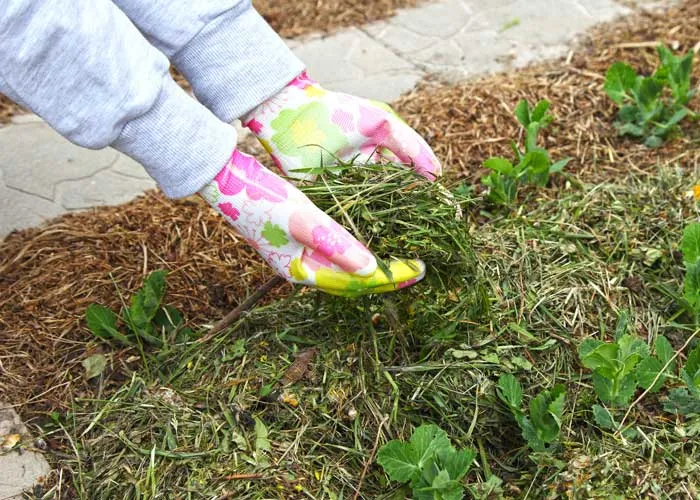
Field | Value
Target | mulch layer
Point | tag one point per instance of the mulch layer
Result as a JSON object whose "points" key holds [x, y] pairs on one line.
{"points": [[50, 274]]}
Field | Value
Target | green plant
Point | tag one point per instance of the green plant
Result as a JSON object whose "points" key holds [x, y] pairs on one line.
{"points": [[686, 400], [543, 426], [145, 319], [690, 247], [429, 462], [622, 366], [651, 107], [533, 165]]}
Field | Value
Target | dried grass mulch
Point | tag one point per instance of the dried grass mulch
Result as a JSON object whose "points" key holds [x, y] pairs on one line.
{"points": [[470, 122], [291, 19], [49, 275]]}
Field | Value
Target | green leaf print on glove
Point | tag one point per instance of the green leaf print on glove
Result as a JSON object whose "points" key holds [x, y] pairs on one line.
{"points": [[307, 133]]}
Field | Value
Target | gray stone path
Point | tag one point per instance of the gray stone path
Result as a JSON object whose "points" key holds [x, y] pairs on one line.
{"points": [[43, 175], [20, 467]]}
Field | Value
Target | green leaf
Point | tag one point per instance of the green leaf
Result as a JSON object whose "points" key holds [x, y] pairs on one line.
{"points": [[546, 413], [538, 114], [597, 355], [622, 325], [275, 235], [146, 302], [647, 371], [101, 321], [456, 463], [262, 441], [648, 93], [425, 441], [559, 166], [398, 461], [683, 402], [441, 481], [654, 141], [531, 436], [663, 349], [603, 387], [510, 391], [603, 417], [168, 317], [692, 368], [625, 390], [500, 165], [691, 285], [522, 113], [94, 365], [690, 244], [619, 81], [632, 350]]}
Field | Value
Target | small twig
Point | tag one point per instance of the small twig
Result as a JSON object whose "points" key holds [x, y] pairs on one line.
{"points": [[249, 302], [370, 459], [653, 383], [236, 477]]}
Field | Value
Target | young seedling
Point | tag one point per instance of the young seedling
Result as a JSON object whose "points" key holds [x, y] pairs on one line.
{"points": [[429, 463], [686, 400], [145, 319], [533, 165], [543, 426], [651, 107]]}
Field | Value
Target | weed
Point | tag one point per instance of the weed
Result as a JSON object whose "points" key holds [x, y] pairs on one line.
{"points": [[145, 319], [429, 462], [543, 426], [651, 107], [686, 400], [534, 165]]}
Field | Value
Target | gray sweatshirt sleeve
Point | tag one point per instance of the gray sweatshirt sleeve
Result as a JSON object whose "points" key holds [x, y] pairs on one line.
{"points": [[85, 68], [227, 51]]}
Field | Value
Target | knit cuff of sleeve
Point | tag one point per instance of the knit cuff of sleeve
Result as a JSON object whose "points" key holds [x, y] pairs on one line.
{"points": [[180, 143], [237, 62]]}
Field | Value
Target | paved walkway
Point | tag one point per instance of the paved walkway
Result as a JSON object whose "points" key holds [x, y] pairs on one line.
{"points": [[42, 175]]}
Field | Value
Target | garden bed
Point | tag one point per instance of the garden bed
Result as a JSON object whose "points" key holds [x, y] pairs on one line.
{"points": [[599, 244]]}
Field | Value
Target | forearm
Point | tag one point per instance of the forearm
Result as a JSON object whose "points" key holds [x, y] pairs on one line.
{"points": [[83, 67], [227, 51]]}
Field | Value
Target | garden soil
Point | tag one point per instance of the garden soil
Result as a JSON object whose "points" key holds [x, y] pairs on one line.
{"points": [[50, 274]]}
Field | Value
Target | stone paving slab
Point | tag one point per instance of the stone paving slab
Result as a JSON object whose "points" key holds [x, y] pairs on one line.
{"points": [[43, 175], [20, 468]]}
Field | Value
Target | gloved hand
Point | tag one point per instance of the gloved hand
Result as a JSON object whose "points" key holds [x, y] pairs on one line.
{"points": [[305, 126], [301, 242]]}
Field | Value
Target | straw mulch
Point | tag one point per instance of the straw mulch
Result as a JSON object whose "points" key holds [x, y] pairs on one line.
{"points": [[49, 275], [290, 19]]}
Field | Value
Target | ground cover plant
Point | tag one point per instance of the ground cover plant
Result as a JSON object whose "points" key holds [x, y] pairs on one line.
{"points": [[533, 165], [297, 398], [651, 107]]}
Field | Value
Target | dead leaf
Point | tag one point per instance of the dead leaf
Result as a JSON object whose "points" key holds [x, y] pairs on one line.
{"points": [[10, 441], [299, 366]]}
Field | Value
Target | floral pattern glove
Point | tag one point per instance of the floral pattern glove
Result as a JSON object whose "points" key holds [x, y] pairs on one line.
{"points": [[305, 126], [301, 242]]}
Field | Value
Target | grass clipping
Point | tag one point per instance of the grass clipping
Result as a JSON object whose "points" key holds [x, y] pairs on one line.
{"points": [[210, 428]]}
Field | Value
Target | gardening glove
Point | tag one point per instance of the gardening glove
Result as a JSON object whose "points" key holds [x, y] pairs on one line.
{"points": [[301, 242], [304, 127]]}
